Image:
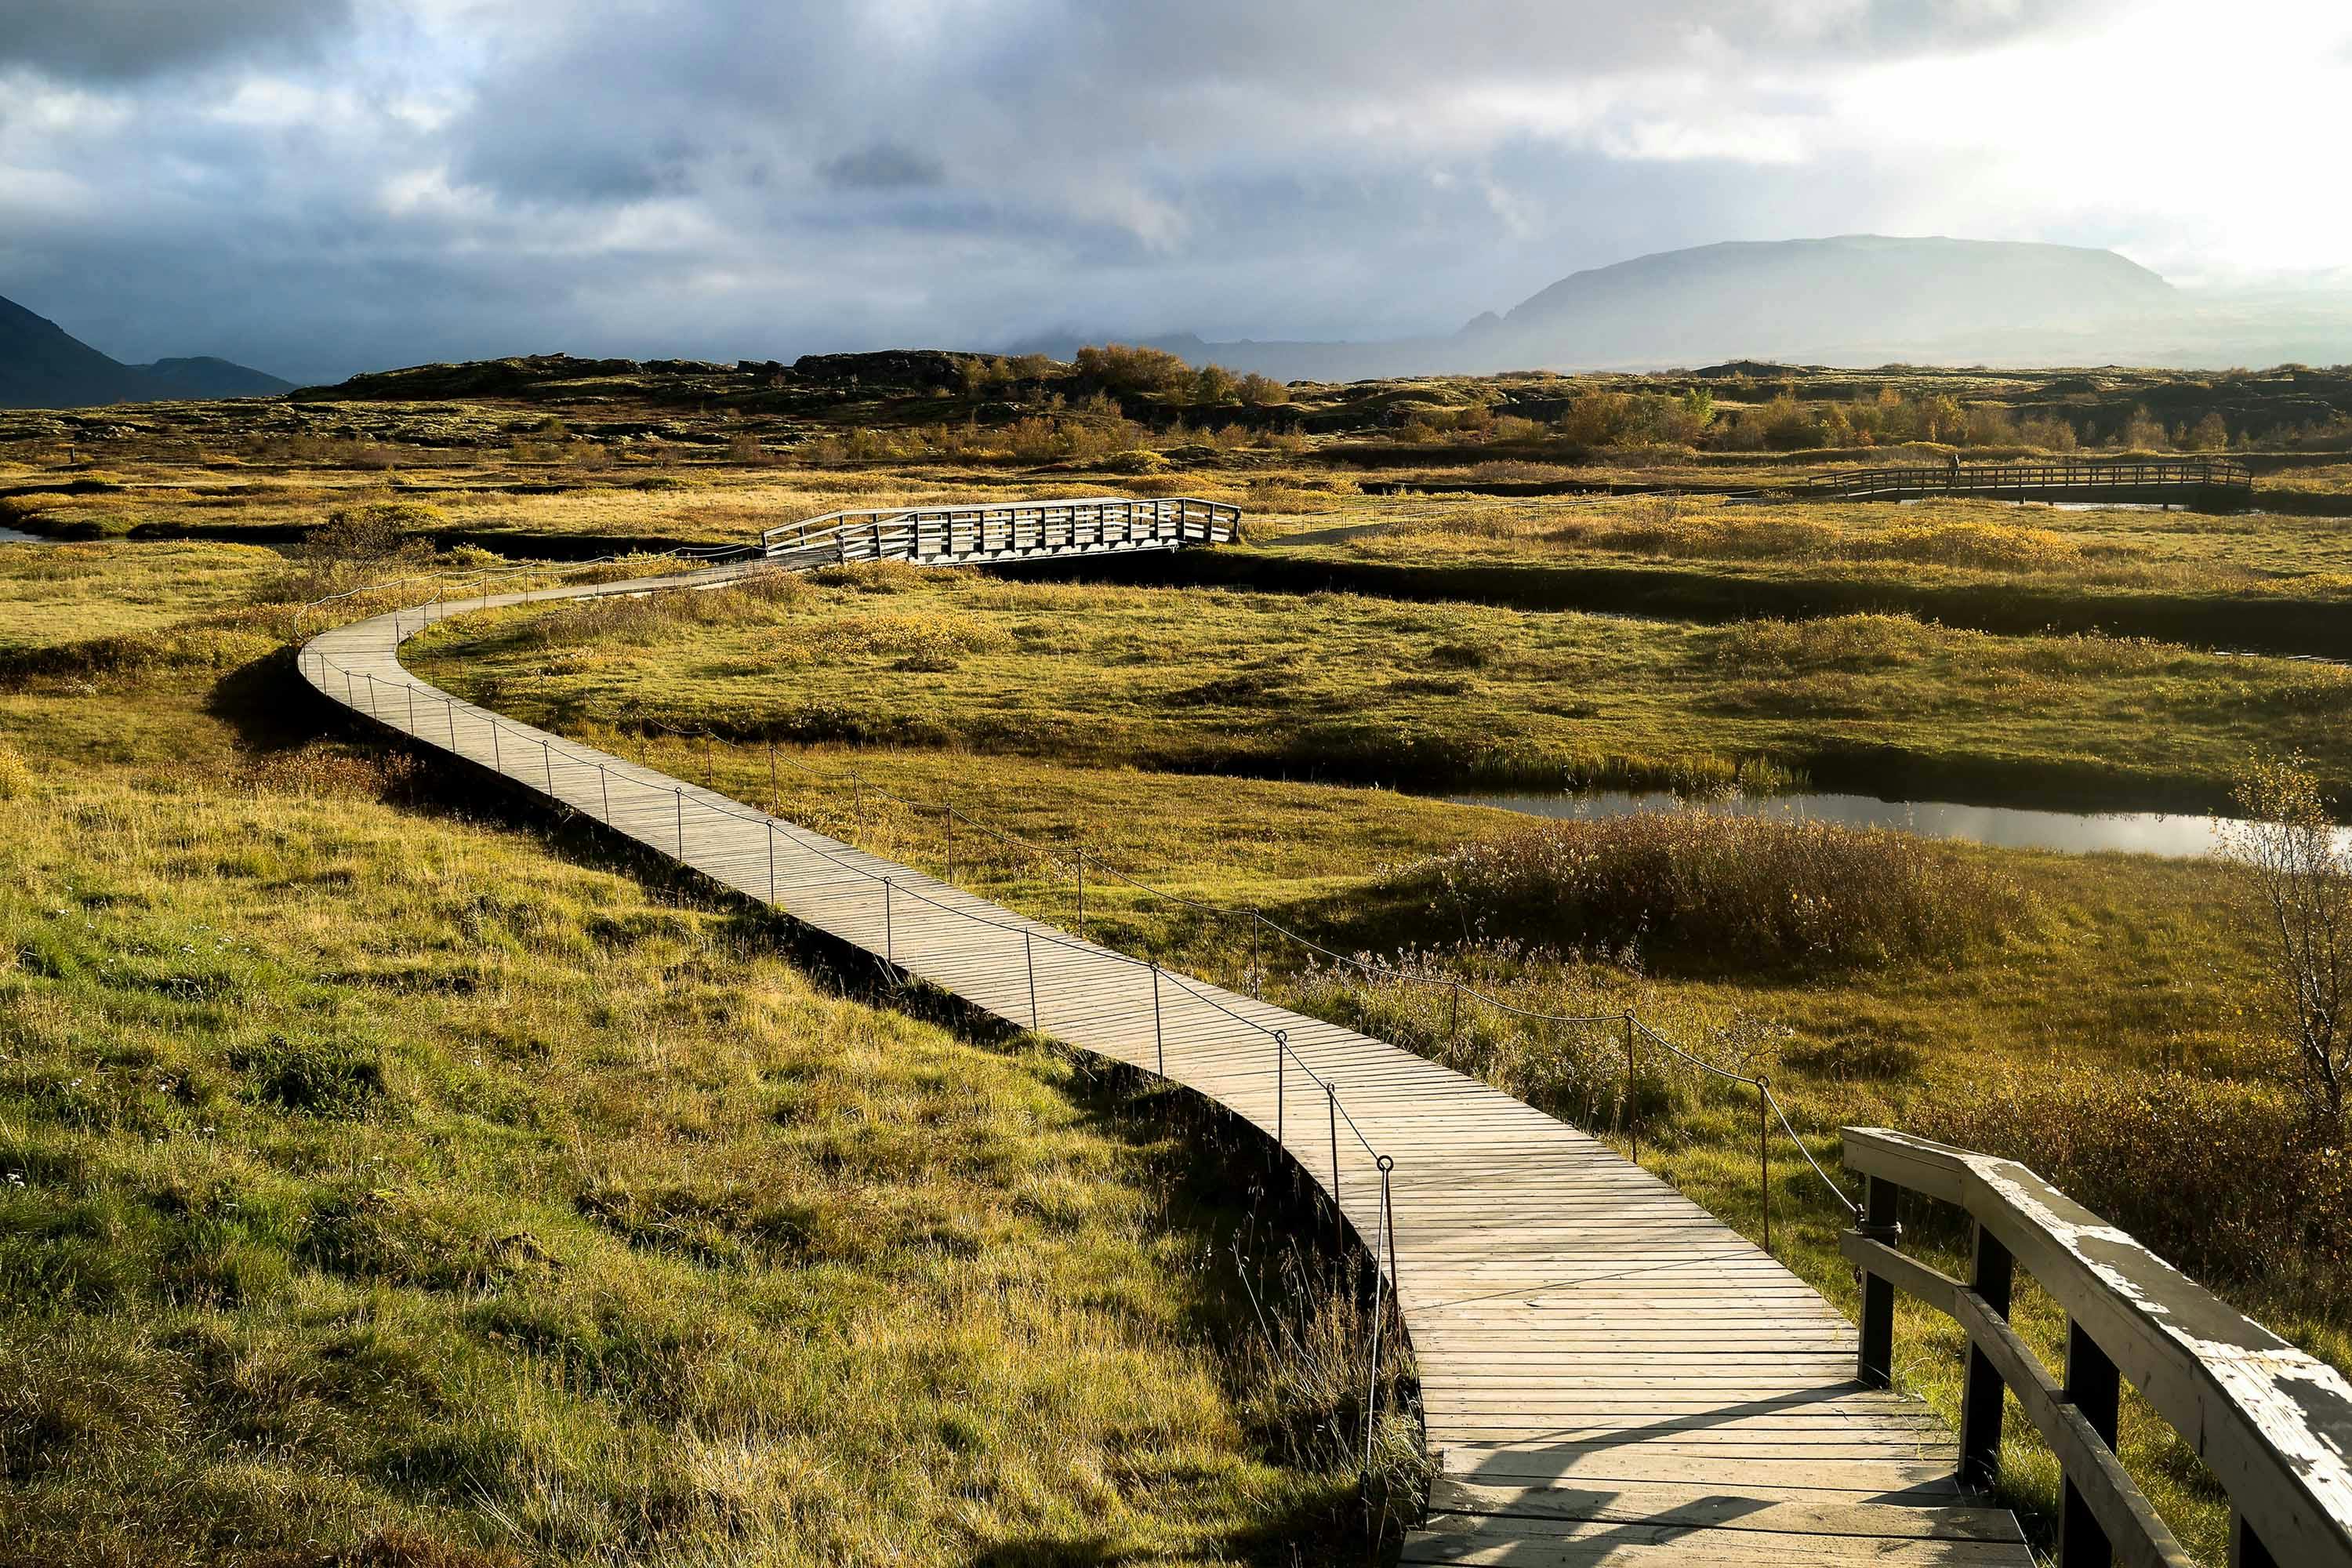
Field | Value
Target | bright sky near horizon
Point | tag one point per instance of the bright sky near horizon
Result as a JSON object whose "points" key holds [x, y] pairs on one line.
{"points": [[319, 186]]}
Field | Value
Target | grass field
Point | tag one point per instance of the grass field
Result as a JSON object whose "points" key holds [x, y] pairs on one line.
{"points": [[388, 1183], [556, 1209], [1426, 696]]}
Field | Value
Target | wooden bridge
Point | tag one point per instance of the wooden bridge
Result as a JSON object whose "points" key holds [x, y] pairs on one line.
{"points": [[2158, 481], [1608, 1374]]}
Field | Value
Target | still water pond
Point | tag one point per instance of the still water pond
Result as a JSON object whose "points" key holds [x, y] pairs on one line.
{"points": [[11, 536], [2014, 827]]}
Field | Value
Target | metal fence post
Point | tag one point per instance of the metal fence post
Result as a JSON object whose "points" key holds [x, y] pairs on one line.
{"points": [[1633, 1127], [889, 944], [1764, 1157], [412, 707], [1256, 922], [1454, 1029], [604, 789], [1339, 1216], [1379, 1316], [1029, 958], [449, 710], [1387, 1218], [1082, 892], [547, 761], [1281, 1097], [947, 821], [497, 764], [680, 794], [772, 860], [1159, 1034]]}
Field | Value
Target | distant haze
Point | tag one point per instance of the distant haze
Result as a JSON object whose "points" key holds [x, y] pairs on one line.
{"points": [[322, 187], [1859, 300]]}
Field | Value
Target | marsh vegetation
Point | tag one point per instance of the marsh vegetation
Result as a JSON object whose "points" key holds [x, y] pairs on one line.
{"points": [[557, 1208]]}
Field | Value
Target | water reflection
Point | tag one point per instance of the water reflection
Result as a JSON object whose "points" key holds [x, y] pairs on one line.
{"points": [[2178, 835], [11, 536]]}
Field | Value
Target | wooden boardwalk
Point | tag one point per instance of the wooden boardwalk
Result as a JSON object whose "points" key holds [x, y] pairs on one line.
{"points": [[2148, 482], [1610, 1376]]}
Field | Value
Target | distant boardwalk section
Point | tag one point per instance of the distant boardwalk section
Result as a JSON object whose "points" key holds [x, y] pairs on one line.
{"points": [[1007, 531], [2155, 481]]}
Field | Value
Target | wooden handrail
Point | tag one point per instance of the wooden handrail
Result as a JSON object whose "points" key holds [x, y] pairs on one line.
{"points": [[2202, 474], [2273, 1424], [1101, 524]]}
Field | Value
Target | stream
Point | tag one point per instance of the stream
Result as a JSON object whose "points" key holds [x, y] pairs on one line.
{"points": [[2178, 835]]}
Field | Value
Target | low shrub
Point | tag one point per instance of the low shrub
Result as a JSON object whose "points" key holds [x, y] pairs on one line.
{"points": [[2230, 1180], [1746, 891], [371, 531]]}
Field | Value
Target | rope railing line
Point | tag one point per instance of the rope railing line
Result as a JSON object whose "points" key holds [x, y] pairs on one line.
{"points": [[1372, 970], [1774, 1102], [442, 577], [1669, 1046], [1033, 932]]}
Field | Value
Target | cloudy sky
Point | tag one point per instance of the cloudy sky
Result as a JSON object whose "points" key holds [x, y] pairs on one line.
{"points": [[320, 187]]}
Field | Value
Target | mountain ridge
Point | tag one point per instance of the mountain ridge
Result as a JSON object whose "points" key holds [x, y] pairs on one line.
{"points": [[1843, 299], [42, 366]]}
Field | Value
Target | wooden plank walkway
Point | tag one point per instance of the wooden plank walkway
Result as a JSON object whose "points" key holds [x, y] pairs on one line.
{"points": [[1610, 1376]]}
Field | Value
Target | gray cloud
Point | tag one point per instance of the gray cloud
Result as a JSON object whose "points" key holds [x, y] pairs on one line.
{"points": [[730, 177], [120, 40], [881, 166]]}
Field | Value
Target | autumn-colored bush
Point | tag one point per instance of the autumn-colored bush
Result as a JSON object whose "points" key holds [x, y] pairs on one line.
{"points": [[2231, 1180], [1719, 889]]}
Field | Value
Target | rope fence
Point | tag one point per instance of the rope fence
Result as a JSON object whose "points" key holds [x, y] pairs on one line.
{"points": [[1079, 859]]}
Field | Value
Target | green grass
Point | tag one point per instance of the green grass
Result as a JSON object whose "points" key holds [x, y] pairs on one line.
{"points": [[384, 1183], [2249, 582], [1426, 696]]}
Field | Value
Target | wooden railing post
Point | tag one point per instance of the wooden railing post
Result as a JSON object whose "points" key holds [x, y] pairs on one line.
{"points": [[1875, 1363], [1980, 1401], [2246, 1550], [2093, 1388]]}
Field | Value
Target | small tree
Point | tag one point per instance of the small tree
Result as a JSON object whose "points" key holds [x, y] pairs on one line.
{"points": [[1262, 391], [2302, 878]]}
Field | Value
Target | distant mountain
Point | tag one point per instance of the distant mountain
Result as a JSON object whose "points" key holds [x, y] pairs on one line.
{"points": [[1822, 300], [43, 366], [1856, 299], [205, 376]]}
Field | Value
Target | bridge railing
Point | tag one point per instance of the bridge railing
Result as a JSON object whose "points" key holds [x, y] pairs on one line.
{"points": [[1008, 531], [2271, 1423], [2202, 474]]}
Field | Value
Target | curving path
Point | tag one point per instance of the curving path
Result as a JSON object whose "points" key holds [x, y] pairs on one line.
{"points": [[1608, 1374]]}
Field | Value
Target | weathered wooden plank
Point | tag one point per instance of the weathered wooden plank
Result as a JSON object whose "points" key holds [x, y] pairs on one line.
{"points": [[2271, 1423]]}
